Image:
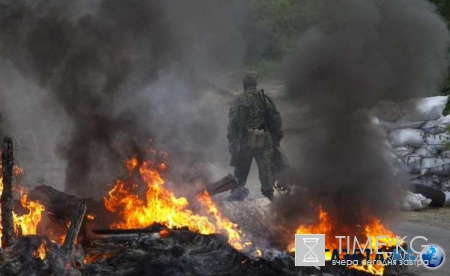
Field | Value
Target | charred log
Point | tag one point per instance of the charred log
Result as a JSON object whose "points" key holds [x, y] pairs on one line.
{"points": [[69, 241], [225, 184], [153, 229], [59, 204], [74, 228], [7, 195]]}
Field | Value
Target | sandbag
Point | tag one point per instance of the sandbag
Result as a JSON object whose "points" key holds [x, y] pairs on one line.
{"points": [[445, 153], [411, 163], [444, 120], [439, 141], [445, 185], [427, 109], [415, 202], [437, 126], [427, 151], [440, 166], [433, 181], [406, 137], [403, 151], [414, 110], [388, 125]]}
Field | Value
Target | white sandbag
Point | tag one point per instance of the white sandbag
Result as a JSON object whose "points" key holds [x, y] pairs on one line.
{"points": [[403, 151], [388, 111], [408, 124], [414, 110], [375, 121], [445, 185], [388, 125], [440, 166], [411, 163], [439, 141], [427, 151], [433, 181], [444, 120], [415, 202], [445, 153], [406, 137], [427, 109], [437, 126]]}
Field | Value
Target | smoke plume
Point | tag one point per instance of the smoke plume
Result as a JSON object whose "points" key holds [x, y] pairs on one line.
{"points": [[358, 53], [115, 74]]}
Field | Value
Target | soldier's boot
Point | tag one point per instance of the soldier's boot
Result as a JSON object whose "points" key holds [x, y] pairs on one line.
{"points": [[268, 194], [238, 194]]}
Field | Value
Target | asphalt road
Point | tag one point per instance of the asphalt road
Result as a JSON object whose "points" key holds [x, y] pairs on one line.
{"points": [[438, 236]]}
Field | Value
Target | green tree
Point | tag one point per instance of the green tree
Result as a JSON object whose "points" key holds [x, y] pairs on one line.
{"points": [[281, 21], [272, 32], [443, 8]]}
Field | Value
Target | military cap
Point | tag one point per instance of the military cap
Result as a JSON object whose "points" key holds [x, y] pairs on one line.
{"points": [[251, 76]]}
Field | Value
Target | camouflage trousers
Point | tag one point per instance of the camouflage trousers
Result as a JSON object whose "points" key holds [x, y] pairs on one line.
{"points": [[242, 162]]}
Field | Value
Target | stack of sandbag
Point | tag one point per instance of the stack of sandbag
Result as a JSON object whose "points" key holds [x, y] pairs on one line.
{"points": [[417, 131]]}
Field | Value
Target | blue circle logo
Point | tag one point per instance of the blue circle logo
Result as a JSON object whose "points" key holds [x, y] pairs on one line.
{"points": [[433, 256]]}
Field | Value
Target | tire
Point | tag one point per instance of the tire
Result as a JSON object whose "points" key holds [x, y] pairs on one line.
{"points": [[437, 196]]}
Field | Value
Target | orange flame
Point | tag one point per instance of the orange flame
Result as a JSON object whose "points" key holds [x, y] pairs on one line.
{"points": [[325, 226], [224, 224], [41, 251], [25, 224], [88, 259], [28, 222], [258, 253], [163, 233], [162, 206]]}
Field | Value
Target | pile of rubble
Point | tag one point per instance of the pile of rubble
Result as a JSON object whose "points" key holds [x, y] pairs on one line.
{"points": [[419, 134]]}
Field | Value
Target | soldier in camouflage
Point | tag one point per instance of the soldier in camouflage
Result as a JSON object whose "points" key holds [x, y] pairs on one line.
{"points": [[253, 114]]}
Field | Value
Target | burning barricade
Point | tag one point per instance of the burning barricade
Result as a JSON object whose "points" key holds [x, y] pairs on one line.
{"points": [[149, 230]]}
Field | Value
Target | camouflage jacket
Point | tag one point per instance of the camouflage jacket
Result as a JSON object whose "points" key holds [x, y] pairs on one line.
{"points": [[250, 109]]}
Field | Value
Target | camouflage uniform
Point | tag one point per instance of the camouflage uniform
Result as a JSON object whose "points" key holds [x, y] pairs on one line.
{"points": [[253, 110]]}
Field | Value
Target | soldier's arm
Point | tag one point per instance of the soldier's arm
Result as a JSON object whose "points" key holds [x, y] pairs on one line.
{"points": [[233, 121]]}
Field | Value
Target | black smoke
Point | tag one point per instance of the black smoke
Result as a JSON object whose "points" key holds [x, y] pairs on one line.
{"points": [[86, 65], [358, 53], [123, 72]]}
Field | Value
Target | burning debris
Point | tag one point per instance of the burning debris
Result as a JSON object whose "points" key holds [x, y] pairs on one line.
{"points": [[161, 206], [370, 230], [161, 233], [25, 217]]}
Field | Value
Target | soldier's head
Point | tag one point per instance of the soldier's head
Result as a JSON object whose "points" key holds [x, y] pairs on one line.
{"points": [[250, 80]]}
